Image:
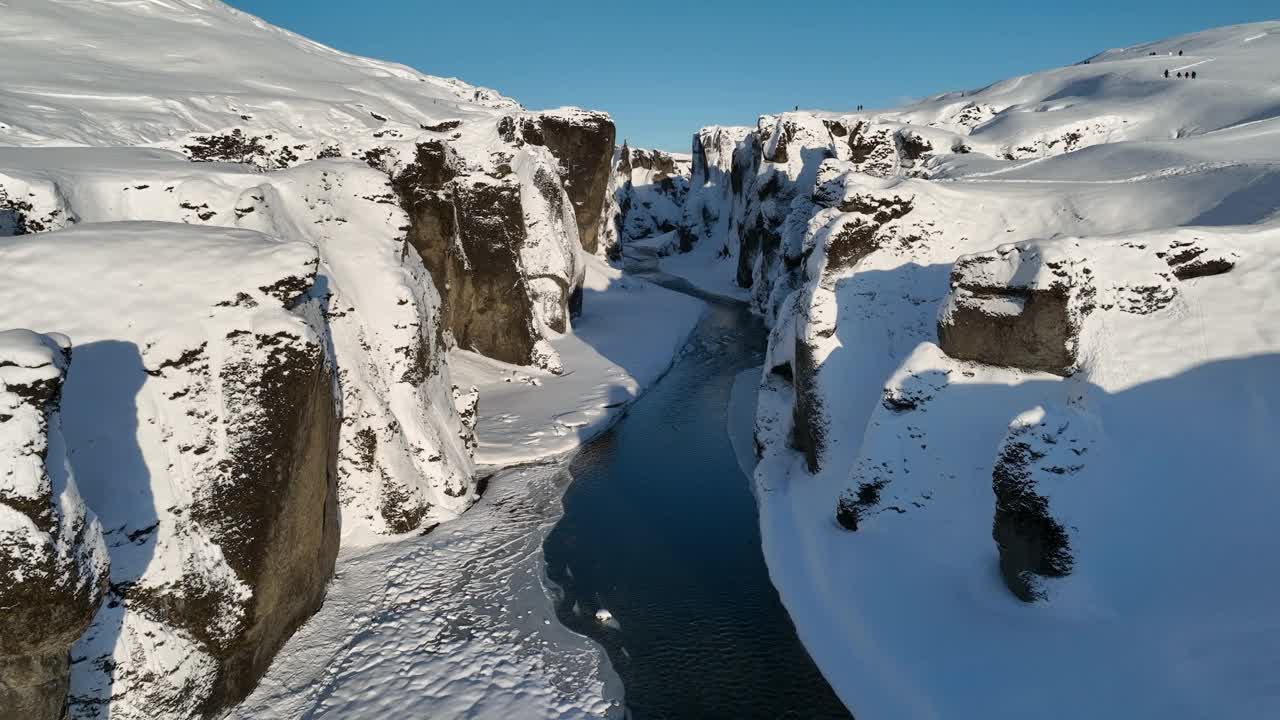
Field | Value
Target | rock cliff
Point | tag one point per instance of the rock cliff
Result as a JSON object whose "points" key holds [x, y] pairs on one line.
{"points": [[53, 562]]}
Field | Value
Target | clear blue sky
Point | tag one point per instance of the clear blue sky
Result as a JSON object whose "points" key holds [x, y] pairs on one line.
{"points": [[664, 69]]}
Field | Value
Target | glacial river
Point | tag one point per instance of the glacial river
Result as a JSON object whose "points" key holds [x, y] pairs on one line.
{"points": [[660, 529]]}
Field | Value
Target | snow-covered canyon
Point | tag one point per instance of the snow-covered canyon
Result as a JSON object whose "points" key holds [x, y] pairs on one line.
{"points": [[1015, 424], [272, 317]]}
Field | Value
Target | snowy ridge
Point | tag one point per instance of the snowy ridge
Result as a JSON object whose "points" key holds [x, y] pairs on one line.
{"points": [[1018, 382], [120, 79]]}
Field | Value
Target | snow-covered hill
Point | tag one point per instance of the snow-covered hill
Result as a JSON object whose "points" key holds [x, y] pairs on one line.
{"points": [[118, 72], [1015, 426]]}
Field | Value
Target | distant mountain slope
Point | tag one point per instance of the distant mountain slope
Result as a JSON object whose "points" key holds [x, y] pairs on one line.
{"points": [[130, 72]]}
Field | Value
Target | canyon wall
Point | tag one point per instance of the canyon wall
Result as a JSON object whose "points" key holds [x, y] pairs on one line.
{"points": [[263, 287]]}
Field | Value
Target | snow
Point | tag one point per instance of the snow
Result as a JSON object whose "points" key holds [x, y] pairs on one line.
{"points": [[626, 338], [458, 623], [109, 72], [704, 269], [379, 299], [1110, 175]]}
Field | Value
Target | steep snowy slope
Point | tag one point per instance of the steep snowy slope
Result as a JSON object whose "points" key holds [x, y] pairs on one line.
{"points": [[117, 72], [1021, 384], [1116, 96]]}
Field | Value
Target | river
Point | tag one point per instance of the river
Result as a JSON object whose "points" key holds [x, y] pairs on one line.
{"points": [[660, 529]]}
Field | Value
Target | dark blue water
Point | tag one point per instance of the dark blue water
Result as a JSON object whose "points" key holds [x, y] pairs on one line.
{"points": [[660, 528]]}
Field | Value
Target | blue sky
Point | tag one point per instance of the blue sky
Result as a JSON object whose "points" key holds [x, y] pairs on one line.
{"points": [[664, 69]]}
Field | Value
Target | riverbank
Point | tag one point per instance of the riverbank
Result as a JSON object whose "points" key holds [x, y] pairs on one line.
{"points": [[628, 335], [461, 622], [456, 623]]}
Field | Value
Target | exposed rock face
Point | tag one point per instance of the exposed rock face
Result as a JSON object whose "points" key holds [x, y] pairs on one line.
{"points": [[709, 208], [275, 511], [500, 233], [1038, 457], [1014, 307], [219, 554], [469, 236], [1022, 305], [848, 226], [402, 463], [809, 425], [53, 563], [755, 190], [582, 142]]}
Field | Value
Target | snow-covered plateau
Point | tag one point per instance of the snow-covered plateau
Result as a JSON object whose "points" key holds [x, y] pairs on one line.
{"points": [[277, 321]]}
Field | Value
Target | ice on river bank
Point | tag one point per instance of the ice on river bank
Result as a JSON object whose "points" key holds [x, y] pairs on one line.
{"points": [[628, 335], [457, 623]]}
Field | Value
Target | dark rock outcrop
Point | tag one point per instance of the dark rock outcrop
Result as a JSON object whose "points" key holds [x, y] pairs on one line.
{"points": [[274, 511], [1190, 259], [268, 500], [1013, 307], [53, 565], [582, 142], [1039, 452], [469, 232], [809, 423]]}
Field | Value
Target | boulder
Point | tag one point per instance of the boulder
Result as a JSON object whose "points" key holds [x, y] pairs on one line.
{"points": [[53, 563]]}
